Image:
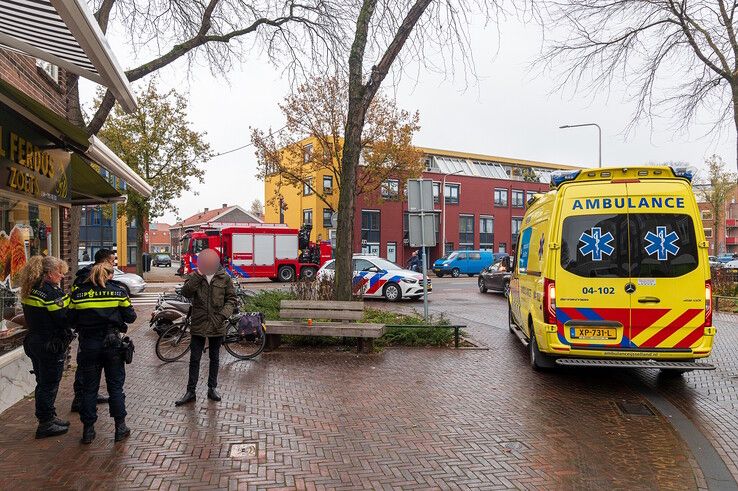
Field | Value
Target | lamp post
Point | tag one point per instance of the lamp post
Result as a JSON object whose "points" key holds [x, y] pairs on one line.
{"points": [[599, 133], [442, 197]]}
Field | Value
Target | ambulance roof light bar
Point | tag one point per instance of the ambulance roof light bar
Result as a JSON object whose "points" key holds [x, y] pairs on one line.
{"points": [[684, 171], [561, 176]]}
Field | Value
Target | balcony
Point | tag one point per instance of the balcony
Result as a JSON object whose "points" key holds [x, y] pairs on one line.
{"points": [[731, 222], [731, 240]]}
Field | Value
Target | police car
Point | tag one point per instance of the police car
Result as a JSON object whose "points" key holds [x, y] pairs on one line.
{"points": [[375, 277], [612, 270]]}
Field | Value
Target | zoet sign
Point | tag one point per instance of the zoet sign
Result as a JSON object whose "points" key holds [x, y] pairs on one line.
{"points": [[30, 163]]}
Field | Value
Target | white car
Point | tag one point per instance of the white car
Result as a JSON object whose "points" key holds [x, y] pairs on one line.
{"points": [[375, 277], [132, 283]]}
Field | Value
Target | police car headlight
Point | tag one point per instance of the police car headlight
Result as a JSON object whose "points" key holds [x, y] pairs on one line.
{"points": [[412, 281]]}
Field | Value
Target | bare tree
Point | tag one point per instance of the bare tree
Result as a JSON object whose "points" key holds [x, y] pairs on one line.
{"points": [[715, 191], [382, 31], [681, 56]]}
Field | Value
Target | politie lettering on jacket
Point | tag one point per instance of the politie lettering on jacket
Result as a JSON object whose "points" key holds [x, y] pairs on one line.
{"points": [[629, 203]]}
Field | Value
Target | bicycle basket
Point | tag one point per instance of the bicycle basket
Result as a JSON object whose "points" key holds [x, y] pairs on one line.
{"points": [[250, 325]]}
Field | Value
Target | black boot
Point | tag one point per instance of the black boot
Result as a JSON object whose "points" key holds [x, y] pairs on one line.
{"points": [[76, 404], [213, 395], [188, 397], [101, 399], [121, 430], [88, 434], [60, 422], [50, 428]]}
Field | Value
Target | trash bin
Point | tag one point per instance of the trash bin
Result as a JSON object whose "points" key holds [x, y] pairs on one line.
{"points": [[147, 262]]}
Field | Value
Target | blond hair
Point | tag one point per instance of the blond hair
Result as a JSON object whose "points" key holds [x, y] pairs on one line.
{"points": [[36, 269], [99, 274]]}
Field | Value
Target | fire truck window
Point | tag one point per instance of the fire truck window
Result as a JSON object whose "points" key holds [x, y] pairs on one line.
{"points": [[199, 245]]}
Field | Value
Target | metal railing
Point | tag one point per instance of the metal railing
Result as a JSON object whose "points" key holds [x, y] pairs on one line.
{"points": [[456, 327]]}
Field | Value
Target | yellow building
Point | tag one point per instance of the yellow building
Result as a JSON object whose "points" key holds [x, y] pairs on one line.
{"points": [[302, 204]]}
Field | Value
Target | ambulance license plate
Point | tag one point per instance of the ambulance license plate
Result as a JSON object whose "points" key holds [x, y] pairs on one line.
{"points": [[594, 333]]}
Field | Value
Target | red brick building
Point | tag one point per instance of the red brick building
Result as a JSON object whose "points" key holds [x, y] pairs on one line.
{"points": [[485, 200], [723, 236], [159, 238]]}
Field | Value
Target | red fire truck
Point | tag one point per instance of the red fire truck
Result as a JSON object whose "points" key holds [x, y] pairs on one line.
{"points": [[261, 250]]}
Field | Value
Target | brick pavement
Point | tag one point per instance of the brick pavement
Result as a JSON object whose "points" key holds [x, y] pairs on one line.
{"points": [[410, 418]]}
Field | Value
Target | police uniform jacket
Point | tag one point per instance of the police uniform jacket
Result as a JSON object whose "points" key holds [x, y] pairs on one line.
{"points": [[45, 309], [95, 310]]}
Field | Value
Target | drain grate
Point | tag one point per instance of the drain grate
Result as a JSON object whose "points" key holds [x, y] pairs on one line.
{"points": [[634, 409], [244, 450]]}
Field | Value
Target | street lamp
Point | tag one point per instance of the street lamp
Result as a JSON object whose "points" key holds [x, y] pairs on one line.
{"points": [[442, 196], [599, 132]]}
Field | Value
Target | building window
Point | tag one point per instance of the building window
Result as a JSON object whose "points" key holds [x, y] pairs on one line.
{"points": [[307, 217], [95, 216], [449, 248], [518, 199], [307, 187], [517, 222], [370, 226], [436, 192], [327, 218], [49, 69], [708, 233], [307, 153], [500, 197], [487, 233], [327, 184], [466, 231], [707, 214], [132, 255], [390, 189], [528, 196], [502, 248], [451, 194]]}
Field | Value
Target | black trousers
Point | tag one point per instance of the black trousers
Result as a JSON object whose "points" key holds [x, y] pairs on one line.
{"points": [[197, 346], [94, 359], [78, 382], [48, 368]]}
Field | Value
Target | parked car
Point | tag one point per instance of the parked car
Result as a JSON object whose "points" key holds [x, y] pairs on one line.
{"points": [[470, 263], [162, 260], [496, 278], [132, 282], [725, 258], [714, 263], [379, 278]]}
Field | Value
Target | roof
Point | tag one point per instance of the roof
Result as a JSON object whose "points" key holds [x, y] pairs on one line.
{"points": [[159, 227], [205, 217], [65, 33], [494, 158]]}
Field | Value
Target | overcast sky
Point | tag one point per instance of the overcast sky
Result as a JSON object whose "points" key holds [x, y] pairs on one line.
{"points": [[511, 111]]}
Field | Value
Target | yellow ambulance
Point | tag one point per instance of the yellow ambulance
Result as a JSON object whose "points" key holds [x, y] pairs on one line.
{"points": [[611, 269]]}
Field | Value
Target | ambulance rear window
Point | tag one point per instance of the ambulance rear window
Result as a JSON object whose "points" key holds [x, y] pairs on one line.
{"points": [[663, 245], [595, 246]]}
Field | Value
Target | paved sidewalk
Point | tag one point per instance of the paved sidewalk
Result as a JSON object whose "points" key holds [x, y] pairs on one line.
{"points": [[410, 418]]}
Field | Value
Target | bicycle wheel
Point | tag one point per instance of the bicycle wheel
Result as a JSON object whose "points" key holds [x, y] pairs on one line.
{"points": [[174, 343], [244, 347]]}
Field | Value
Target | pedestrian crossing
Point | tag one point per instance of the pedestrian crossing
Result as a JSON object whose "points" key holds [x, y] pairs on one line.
{"points": [[145, 299]]}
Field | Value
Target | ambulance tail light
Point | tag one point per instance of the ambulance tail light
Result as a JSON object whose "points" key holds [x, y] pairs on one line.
{"points": [[549, 301], [708, 303]]}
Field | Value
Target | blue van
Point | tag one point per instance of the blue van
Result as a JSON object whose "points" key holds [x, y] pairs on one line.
{"points": [[465, 262]]}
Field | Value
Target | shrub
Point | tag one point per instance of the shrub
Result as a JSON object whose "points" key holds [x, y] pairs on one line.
{"points": [[267, 302]]}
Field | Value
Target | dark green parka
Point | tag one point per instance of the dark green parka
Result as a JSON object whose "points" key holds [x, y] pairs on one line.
{"points": [[212, 303]]}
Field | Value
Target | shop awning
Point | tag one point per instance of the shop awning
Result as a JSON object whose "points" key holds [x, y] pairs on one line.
{"points": [[65, 33], [89, 187], [75, 137]]}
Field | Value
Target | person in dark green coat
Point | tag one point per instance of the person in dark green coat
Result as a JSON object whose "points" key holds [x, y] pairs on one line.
{"points": [[214, 299]]}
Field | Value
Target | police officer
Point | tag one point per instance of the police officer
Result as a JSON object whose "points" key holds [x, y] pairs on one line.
{"points": [[101, 256], [99, 310], [45, 311]]}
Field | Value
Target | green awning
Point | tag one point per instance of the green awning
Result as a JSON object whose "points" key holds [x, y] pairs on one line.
{"points": [[88, 186], [42, 116]]}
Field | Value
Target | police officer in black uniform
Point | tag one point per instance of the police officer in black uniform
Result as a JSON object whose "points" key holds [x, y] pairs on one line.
{"points": [[101, 256], [45, 312], [99, 310]]}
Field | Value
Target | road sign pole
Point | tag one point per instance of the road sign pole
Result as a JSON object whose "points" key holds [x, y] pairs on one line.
{"points": [[425, 267]]}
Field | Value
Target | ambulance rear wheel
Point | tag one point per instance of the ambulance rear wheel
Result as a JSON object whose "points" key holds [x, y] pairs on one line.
{"points": [[286, 274], [455, 272], [538, 361], [308, 273], [392, 292], [510, 323]]}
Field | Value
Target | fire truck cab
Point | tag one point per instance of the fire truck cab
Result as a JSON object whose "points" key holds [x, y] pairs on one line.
{"points": [[272, 251]]}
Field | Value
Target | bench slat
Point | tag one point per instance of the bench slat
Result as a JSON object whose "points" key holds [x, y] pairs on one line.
{"points": [[326, 329], [349, 315], [320, 305]]}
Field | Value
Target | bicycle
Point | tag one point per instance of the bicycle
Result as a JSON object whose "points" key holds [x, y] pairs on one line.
{"points": [[174, 343]]}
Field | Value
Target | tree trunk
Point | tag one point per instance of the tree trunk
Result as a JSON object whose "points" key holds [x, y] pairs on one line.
{"points": [[735, 121], [74, 115]]}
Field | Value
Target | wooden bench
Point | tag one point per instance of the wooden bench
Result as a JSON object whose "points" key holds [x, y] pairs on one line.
{"points": [[323, 318]]}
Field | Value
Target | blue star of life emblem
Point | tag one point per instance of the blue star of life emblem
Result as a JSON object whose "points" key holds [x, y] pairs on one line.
{"points": [[596, 244], [661, 243]]}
